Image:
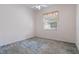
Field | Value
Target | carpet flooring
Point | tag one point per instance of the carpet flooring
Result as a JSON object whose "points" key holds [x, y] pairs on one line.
{"points": [[39, 46]]}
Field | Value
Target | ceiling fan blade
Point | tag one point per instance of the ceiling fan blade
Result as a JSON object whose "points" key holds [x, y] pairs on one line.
{"points": [[39, 6]]}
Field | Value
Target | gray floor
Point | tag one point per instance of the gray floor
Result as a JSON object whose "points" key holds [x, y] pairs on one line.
{"points": [[39, 46]]}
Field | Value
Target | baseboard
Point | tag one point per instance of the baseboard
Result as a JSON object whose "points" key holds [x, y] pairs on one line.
{"points": [[16, 41], [54, 39]]}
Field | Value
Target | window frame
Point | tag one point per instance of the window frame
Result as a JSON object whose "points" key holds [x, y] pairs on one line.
{"points": [[56, 20]]}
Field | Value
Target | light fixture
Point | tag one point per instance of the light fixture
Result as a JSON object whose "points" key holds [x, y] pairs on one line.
{"points": [[39, 6]]}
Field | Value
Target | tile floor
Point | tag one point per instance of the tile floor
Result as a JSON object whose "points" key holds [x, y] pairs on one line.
{"points": [[39, 46]]}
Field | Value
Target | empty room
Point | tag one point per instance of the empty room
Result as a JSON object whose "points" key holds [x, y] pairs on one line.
{"points": [[39, 29]]}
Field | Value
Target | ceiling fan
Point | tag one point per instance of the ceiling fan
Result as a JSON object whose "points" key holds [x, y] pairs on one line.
{"points": [[39, 6]]}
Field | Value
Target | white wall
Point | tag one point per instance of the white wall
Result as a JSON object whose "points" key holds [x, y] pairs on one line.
{"points": [[77, 26], [66, 25], [16, 23]]}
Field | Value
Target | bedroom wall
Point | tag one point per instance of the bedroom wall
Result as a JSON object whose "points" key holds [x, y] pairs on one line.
{"points": [[66, 25], [77, 26], [16, 23]]}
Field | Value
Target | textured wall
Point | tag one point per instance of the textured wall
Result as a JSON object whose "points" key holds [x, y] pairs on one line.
{"points": [[66, 25], [16, 23], [77, 26]]}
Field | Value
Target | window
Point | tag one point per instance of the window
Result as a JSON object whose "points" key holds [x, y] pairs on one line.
{"points": [[50, 20]]}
